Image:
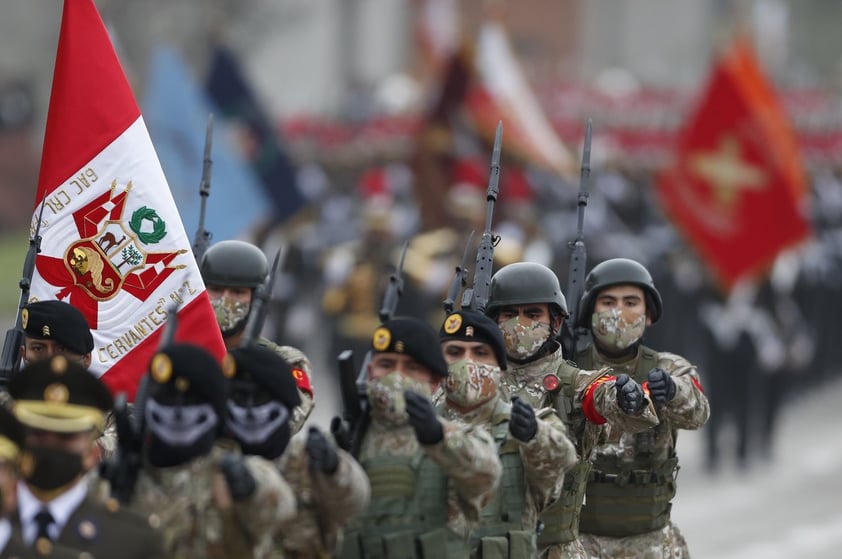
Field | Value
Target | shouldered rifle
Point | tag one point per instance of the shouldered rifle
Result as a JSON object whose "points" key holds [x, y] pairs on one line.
{"points": [[574, 336], [121, 471], [476, 296], [260, 304], [202, 237], [460, 278], [10, 359], [348, 429]]}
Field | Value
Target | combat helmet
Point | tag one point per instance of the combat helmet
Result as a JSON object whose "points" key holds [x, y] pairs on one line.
{"points": [[618, 271], [522, 283], [234, 263]]}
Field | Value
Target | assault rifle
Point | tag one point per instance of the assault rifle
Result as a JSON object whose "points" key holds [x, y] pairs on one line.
{"points": [[348, 429], [476, 296], [201, 239], [260, 304], [460, 278], [10, 359], [574, 338], [122, 470]]}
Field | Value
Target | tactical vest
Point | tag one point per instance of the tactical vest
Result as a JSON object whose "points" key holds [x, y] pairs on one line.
{"points": [[407, 514], [500, 533], [561, 519], [626, 498]]}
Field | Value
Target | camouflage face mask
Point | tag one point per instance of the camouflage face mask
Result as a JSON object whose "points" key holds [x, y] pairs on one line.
{"points": [[617, 330], [230, 314], [524, 337], [385, 395], [470, 384]]}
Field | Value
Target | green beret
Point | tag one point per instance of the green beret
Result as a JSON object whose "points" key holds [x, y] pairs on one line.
{"points": [[11, 435], [413, 337], [190, 373], [59, 321], [60, 395], [473, 326], [265, 368]]}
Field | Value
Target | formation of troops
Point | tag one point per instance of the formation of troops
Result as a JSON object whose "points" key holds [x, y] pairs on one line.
{"points": [[481, 439]]}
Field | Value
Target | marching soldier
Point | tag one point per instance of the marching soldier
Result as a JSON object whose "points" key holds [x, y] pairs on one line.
{"points": [[209, 500], [330, 486], [627, 508], [232, 271], [430, 477], [527, 303], [533, 446], [62, 407]]}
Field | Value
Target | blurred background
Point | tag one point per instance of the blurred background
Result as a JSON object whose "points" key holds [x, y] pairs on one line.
{"points": [[345, 127]]}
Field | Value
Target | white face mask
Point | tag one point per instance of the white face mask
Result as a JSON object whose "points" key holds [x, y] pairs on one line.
{"points": [[385, 396], [616, 330], [180, 425]]}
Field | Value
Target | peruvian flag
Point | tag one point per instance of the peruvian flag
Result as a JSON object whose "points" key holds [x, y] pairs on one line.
{"points": [[113, 244], [737, 189]]}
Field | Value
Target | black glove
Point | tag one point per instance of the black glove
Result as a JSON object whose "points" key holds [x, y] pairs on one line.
{"points": [[523, 425], [323, 457], [630, 396], [661, 386], [423, 418], [241, 483]]}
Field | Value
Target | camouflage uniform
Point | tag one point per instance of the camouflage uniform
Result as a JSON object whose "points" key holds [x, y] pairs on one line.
{"points": [[196, 515], [302, 370], [618, 453], [325, 503]]}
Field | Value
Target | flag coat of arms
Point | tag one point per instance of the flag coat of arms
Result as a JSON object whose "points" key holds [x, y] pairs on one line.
{"points": [[737, 189], [113, 244]]}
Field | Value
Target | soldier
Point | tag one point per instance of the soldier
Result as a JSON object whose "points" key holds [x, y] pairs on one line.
{"points": [[62, 407], [533, 446], [330, 486], [209, 500], [526, 301], [232, 271], [629, 493], [430, 477]]}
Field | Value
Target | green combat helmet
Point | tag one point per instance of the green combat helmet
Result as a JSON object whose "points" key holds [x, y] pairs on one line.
{"points": [[522, 283], [234, 264], [615, 272]]}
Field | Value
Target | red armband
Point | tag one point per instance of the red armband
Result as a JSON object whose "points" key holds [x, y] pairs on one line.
{"points": [[588, 405], [302, 380]]}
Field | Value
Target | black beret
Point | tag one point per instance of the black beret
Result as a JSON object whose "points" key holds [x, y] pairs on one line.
{"points": [[60, 395], [59, 321], [413, 337], [268, 370], [474, 326], [191, 372], [11, 435]]}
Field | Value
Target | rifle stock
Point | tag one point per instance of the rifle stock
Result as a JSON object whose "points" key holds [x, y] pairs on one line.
{"points": [[201, 239], [10, 358]]}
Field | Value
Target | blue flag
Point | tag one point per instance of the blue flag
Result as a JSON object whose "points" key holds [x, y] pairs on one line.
{"points": [[227, 87], [176, 113]]}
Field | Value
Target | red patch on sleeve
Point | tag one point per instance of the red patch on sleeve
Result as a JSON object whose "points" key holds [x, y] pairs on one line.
{"points": [[588, 405], [302, 380]]}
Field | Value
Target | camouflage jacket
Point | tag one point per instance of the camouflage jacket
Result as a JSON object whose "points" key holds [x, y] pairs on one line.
{"points": [[197, 516], [467, 454], [325, 503], [302, 370]]}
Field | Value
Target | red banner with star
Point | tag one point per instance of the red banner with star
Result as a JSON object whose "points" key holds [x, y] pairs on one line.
{"points": [[737, 189]]}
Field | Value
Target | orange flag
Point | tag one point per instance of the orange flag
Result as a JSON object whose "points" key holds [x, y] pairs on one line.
{"points": [[737, 189]]}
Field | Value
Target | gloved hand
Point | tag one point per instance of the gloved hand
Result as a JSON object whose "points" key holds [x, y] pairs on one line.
{"points": [[422, 417], [630, 396], [523, 425], [323, 457], [241, 483], [661, 386]]}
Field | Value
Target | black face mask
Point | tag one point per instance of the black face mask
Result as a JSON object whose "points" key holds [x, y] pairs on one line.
{"points": [[262, 430], [53, 468], [178, 433], [163, 455]]}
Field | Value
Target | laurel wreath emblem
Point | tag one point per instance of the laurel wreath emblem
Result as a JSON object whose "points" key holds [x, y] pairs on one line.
{"points": [[159, 228]]}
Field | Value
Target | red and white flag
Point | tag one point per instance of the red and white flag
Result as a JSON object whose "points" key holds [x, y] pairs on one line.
{"points": [[113, 244]]}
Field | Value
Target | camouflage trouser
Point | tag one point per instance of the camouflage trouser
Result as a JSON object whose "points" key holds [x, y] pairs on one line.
{"points": [[569, 550], [666, 543]]}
